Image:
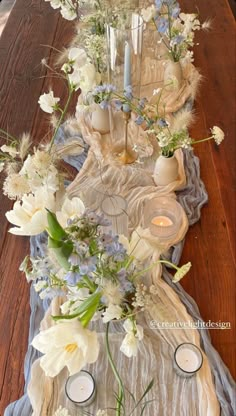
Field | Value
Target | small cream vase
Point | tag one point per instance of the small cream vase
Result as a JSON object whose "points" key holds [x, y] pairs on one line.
{"points": [[100, 119], [166, 170], [173, 76]]}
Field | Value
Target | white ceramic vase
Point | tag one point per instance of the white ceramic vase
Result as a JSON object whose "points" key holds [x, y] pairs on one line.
{"points": [[173, 76], [100, 119], [166, 170]]}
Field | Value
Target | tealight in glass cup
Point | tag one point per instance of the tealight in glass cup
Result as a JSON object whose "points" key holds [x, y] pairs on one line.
{"points": [[188, 359], [81, 388], [163, 216]]}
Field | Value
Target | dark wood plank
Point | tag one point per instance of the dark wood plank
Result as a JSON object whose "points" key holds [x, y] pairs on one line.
{"points": [[21, 50], [210, 244]]}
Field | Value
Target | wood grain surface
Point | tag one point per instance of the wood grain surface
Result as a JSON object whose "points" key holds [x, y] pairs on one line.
{"points": [[210, 244]]}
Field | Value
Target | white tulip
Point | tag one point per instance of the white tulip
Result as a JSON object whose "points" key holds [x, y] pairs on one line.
{"points": [[47, 102], [70, 209], [66, 344], [30, 214]]}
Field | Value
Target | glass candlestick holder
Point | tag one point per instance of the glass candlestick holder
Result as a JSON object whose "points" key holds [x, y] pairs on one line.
{"points": [[124, 50], [114, 207]]}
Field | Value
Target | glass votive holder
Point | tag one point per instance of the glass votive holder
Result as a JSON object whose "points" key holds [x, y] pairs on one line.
{"points": [[81, 388], [114, 207], [163, 216], [188, 359]]}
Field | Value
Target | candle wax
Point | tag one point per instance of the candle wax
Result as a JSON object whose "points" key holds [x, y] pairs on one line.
{"points": [[162, 221], [80, 388], [187, 360], [127, 72]]}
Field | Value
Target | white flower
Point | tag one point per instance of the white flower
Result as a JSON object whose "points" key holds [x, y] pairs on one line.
{"points": [[11, 150], [66, 344], [70, 209], [112, 312], [40, 285], [129, 345], [39, 171], [55, 3], [68, 13], [47, 102], [30, 214], [138, 247], [148, 13], [1, 166], [112, 293], [155, 92], [75, 79], [217, 134], [88, 77], [61, 411], [77, 57], [181, 272], [15, 186]]}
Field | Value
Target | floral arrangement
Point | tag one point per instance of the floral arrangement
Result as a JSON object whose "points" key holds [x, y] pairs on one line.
{"points": [[101, 276], [170, 135], [176, 29]]}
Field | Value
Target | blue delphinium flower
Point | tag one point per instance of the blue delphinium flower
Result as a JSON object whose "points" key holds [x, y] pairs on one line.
{"points": [[177, 40], [162, 123], [88, 265], [158, 4], [162, 24], [139, 120], [104, 105], [118, 105], [141, 103], [72, 277], [175, 11], [128, 92], [74, 259]]}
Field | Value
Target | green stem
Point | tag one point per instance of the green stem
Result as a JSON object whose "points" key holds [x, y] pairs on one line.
{"points": [[9, 135], [202, 140], [116, 374], [63, 113]]}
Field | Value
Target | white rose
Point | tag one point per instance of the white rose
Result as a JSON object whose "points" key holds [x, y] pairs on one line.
{"points": [[47, 102]]}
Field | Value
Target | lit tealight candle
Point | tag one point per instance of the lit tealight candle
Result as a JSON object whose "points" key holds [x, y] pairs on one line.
{"points": [[80, 388], [188, 359], [162, 221]]}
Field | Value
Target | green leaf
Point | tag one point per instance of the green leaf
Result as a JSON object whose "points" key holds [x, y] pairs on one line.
{"points": [[62, 254], [54, 229], [88, 303], [54, 243], [91, 303]]}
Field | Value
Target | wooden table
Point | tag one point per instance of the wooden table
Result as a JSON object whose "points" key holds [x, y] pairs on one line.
{"points": [[210, 244]]}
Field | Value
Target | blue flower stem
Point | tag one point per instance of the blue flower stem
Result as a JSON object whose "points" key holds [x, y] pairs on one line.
{"points": [[116, 374]]}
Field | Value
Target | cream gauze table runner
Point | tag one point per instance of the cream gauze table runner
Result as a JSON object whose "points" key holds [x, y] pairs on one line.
{"points": [[100, 176]]}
